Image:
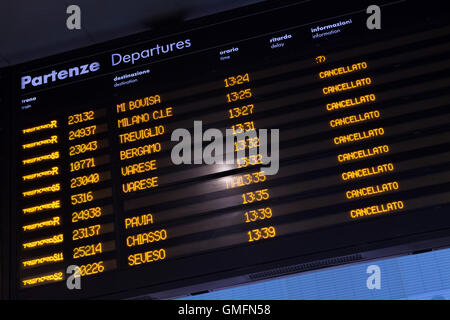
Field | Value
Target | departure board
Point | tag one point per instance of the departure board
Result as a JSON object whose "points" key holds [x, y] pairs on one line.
{"points": [[353, 163]]}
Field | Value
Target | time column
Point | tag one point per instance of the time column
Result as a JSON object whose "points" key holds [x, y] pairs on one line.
{"points": [[91, 231], [257, 214]]}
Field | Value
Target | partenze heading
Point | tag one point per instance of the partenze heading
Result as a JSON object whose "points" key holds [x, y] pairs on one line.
{"points": [[59, 75]]}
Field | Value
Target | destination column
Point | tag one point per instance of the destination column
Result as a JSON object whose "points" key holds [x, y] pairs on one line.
{"points": [[141, 135]]}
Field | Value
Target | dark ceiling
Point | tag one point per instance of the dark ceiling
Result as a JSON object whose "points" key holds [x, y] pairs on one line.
{"points": [[31, 29]]}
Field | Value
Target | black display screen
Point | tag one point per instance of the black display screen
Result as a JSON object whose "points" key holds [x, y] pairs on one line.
{"points": [[363, 141]]}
